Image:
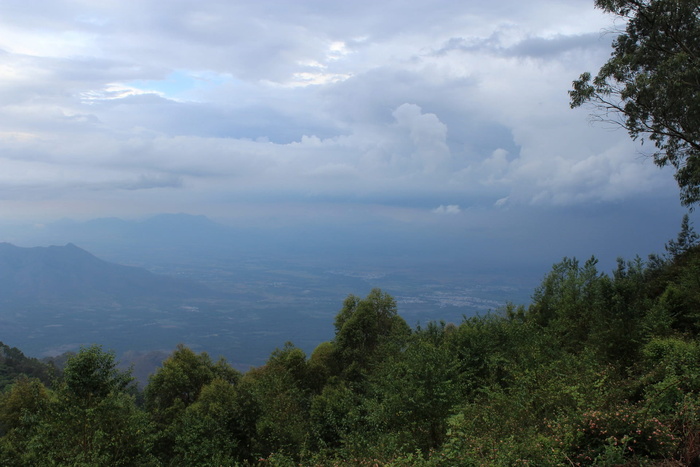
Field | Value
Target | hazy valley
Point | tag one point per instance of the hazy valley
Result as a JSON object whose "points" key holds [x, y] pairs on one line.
{"points": [[192, 281]]}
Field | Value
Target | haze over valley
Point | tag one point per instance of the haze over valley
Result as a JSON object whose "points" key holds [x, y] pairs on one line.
{"points": [[197, 283], [241, 292]]}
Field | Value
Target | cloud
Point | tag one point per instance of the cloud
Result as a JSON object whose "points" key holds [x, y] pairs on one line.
{"points": [[447, 209], [551, 47], [428, 135], [406, 105], [501, 43]]}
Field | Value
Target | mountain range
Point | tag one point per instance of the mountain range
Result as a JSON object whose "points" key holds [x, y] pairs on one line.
{"points": [[69, 273]]}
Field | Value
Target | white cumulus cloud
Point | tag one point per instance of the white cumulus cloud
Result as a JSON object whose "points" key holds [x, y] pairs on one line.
{"points": [[447, 209]]}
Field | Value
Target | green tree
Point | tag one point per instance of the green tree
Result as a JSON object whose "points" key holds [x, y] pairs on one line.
{"points": [[334, 414], [93, 420], [367, 330], [25, 396], [651, 83], [218, 428], [282, 396], [21, 407], [687, 239], [417, 390], [92, 375], [680, 300], [569, 300], [177, 383], [176, 386], [584, 309], [320, 366], [14, 363]]}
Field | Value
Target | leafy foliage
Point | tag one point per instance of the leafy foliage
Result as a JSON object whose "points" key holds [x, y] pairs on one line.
{"points": [[14, 363], [180, 402], [89, 419], [214, 430], [651, 83], [366, 331], [687, 239]]}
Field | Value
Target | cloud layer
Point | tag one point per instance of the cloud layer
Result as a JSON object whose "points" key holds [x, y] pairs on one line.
{"points": [[117, 108]]}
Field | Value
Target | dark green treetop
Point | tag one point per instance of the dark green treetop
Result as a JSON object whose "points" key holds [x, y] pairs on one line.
{"points": [[178, 382], [687, 239], [92, 374], [367, 330]]}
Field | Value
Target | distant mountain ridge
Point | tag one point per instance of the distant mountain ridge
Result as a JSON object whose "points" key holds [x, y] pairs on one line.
{"points": [[157, 240], [71, 273]]}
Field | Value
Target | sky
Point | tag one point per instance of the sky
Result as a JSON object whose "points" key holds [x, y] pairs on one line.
{"points": [[445, 115]]}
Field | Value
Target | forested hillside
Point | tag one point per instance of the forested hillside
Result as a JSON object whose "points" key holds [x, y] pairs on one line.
{"points": [[599, 369]]}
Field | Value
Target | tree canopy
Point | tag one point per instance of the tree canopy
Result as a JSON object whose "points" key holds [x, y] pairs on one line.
{"points": [[651, 83], [600, 369]]}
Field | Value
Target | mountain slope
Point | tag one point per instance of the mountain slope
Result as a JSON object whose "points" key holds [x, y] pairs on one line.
{"points": [[71, 273]]}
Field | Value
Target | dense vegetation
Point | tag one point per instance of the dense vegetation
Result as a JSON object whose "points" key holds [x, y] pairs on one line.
{"points": [[600, 369]]}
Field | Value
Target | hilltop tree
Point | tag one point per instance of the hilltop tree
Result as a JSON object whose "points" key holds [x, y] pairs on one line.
{"points": [[217, 429], [21, 407], [14, 363], [176, 385], [174, 388], [687, 239], [93, 419], [651, 84], [367, 330], [424, 376]]}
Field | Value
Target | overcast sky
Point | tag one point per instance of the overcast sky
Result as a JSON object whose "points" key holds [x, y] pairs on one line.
{"points": [[284, 111]]}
